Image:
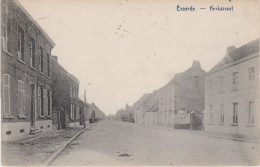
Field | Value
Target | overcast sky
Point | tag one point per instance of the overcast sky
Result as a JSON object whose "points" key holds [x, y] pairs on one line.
{"points": [[121, 49]]}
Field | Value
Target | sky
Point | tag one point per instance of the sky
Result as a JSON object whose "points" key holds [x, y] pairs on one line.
{"points": [[121, 49]]}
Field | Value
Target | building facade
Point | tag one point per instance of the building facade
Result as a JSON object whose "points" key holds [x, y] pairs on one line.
{"points": [[232, 92], [25, 73], [151, 110], [139, 108], [68, 109], [95, 114], [182, 95]]}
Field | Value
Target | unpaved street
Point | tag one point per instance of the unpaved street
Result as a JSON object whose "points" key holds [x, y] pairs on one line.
{"points": [[120, 143]]}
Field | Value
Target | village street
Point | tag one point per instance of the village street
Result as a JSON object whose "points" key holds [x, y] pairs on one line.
{"points": [[120, 143]]}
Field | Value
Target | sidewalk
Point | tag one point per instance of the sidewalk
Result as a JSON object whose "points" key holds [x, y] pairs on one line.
{"points": [[35, 150], [235, 137]]}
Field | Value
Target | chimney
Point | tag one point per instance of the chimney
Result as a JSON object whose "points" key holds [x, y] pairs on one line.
{"points": [[230, 48], [55, 58], [196, 63]]}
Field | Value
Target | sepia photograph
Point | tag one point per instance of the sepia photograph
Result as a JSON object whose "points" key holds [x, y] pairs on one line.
{"points": [[130, 83]]}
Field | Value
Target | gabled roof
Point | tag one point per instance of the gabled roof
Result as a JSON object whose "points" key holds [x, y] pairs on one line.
{"points": [[238, 54], [178, 76], [142, 100]]}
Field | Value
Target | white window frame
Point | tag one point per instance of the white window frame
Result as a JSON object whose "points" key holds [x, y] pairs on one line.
{"points": [[45, 102], [72, 111], [235, 113], [251, 119], [8, 87], [5, 22], [21, 100], [235, 80], [50, 104]]}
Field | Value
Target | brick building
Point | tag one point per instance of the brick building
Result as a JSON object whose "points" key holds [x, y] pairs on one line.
{"points": [[68, 109], [25, 73], [232, 92], [182, 95]]}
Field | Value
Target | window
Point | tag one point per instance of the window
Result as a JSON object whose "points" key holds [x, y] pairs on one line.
{"points": [[20, 44], [72, 111], [211, 114], [45, 102], [32, 53], [6, 29], [251, 113], [221, 84], [222, 113], [235, 80], [21, 97], [40, 100], [196, 81], [235, 113], [6, 94], [48, 64], [41, 60], [75, 112], [251, 75], [49, 103]]}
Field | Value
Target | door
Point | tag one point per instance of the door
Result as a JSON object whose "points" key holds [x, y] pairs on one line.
{"points": [[32, 129], [82, 121], [61, 118]]}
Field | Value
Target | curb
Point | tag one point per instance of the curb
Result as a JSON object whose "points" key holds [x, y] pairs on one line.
{"points": [[213, 136], [222, 137], [55, 154], [33, 138]]}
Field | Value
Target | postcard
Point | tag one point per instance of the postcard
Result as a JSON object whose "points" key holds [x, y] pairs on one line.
{"points": [[130, 83]]}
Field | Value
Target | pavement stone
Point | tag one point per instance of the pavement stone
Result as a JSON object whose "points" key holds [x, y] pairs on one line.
{"points": [[35, 152], [236, 137]]}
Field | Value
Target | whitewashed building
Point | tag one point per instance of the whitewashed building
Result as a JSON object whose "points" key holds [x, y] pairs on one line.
{"points": [[232, 92]]}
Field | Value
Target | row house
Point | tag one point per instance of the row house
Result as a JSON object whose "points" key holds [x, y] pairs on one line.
{"points": [[95, 114], [151, 111], [68, 109], [232, 92], [180, 97], [25, 73], [139, 108], [146, 109]]}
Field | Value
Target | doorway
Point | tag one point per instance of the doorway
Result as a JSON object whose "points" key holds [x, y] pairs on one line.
{"points": [[33, 108]]}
